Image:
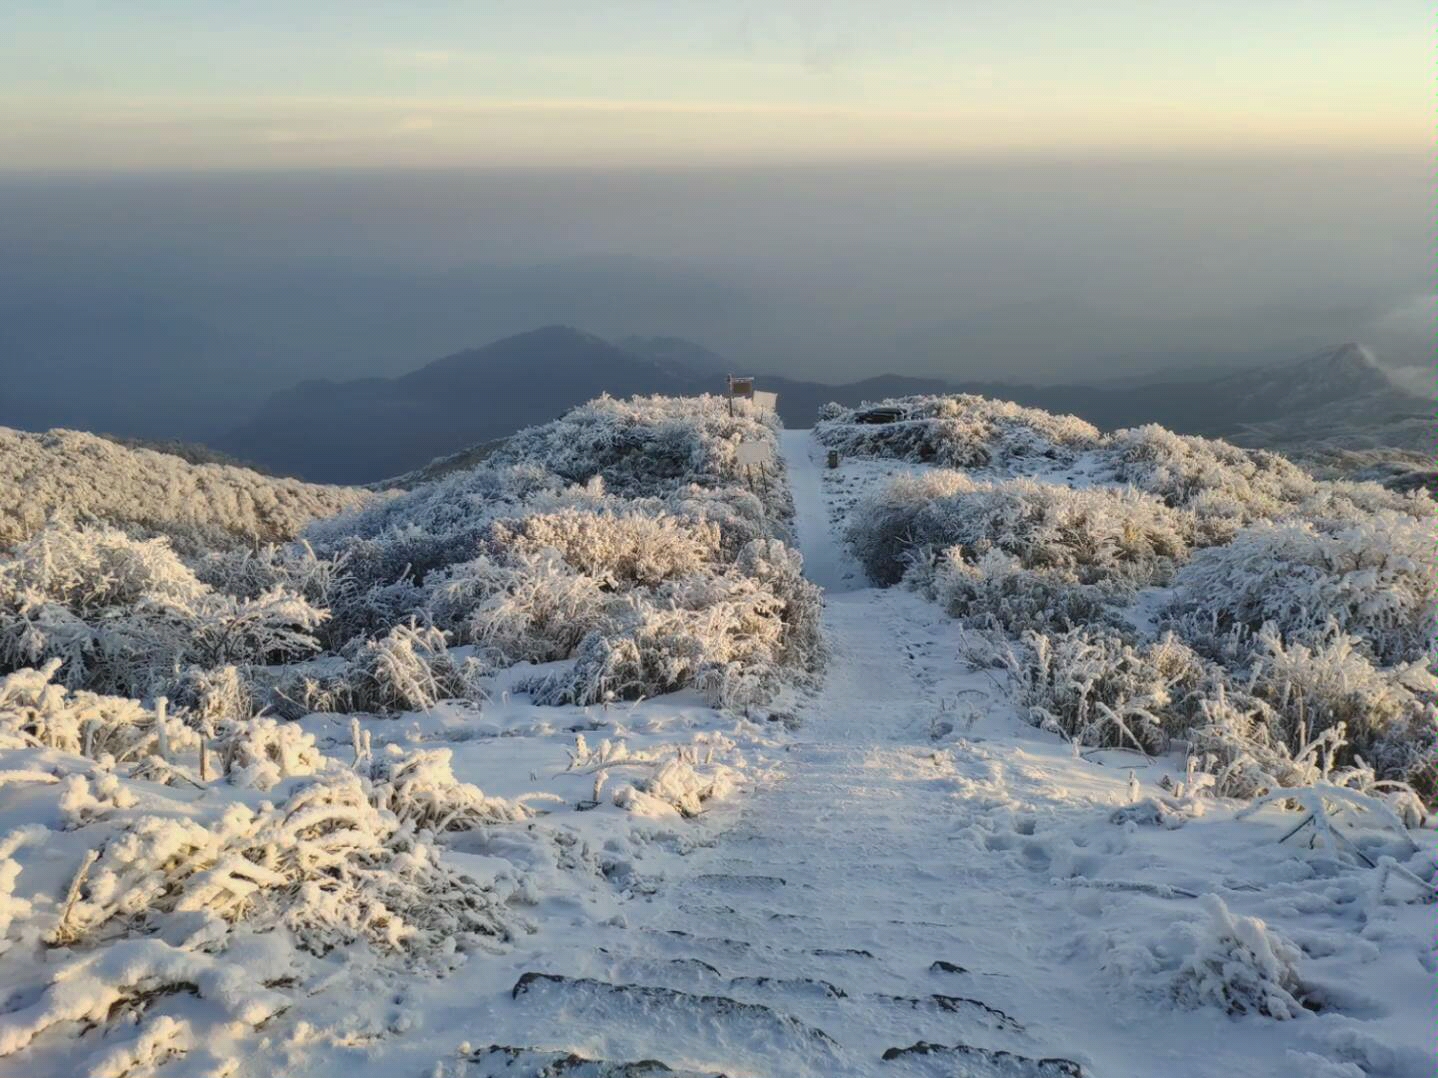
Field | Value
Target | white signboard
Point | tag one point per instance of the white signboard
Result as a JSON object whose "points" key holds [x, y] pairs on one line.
{"points": [[768, 402], [750, 453]]}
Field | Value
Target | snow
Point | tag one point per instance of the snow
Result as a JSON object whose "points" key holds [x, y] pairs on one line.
{"points": [[74, 475], [887, 871], [825, 563]]}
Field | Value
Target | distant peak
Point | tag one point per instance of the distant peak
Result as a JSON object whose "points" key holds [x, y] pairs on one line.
{"points": [[554, 332], [1353, 354], [1350, 361], [1346, 357]]}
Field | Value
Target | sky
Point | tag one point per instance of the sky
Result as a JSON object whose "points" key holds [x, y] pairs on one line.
{"points": [[204, 202], [203, 84]]}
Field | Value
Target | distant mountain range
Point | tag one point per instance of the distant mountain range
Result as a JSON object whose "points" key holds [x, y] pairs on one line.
{"points": [[375, 428]]}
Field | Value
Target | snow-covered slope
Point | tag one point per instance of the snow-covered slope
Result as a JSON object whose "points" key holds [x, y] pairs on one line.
{"points": [[615, 826], [375, 763], [79, 476]]}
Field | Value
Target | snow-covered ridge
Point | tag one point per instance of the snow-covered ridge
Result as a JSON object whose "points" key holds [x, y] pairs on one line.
{"points": [[77, 476], [1145, 587], [495, 776], [214, 776]]}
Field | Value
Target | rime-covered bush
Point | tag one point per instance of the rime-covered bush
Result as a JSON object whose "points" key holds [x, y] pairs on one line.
{"points": [[883, 529], [624, 519], [259, 752], [36, 711], [680, 784], [249, 572], [618, 550], [450, 511], [739, 514], [1098, 688], [94, 797], [1224, 486], [213, 696], [81, 477], [90, 570], [1387, 715], [327, 865], [996, 592], [1376, 579], [780, 569], [625, 492], [409, 668], [529, 607], [962, 431], [1237, 964], [420, 790], [725, 635], [1086, 536], [645, 446], [125, 615]]}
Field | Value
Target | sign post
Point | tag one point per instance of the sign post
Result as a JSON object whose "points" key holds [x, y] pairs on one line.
{"points": [[749, 454], [740, 387]]}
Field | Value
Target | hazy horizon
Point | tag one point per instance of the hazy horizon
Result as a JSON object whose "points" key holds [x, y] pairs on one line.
{"points": [[201, 205]]}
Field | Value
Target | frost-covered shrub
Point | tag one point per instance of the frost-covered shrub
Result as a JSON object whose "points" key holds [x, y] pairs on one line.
{"points": [[421, 791], [1343, 502], [93, 570], [628, 492], [327, 865], [1386, 716], [361, 596], [963, 431], [997, 592], [36, 711], [77, 476], [676, 779], [1087, 536], [211, 697], [87, 799], [1237, 964], [1225, 486], [722, 634], [642, 602], [382, 556], [644, 446], [883, 529], [679, 784], [529, 607], [780, 569], [123, 614], [614, 549], [1236, 741], [259, 752], [457, 504], [1375, 579], [525, 556], [410, 668], [1097, 688], [739, 515]]}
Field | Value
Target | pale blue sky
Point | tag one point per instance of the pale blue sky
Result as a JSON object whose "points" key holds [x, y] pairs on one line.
{"points": [[196, 83]]}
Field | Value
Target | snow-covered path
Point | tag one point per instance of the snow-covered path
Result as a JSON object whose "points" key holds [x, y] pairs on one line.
{"points": [[831, 924], [930, 888]]}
